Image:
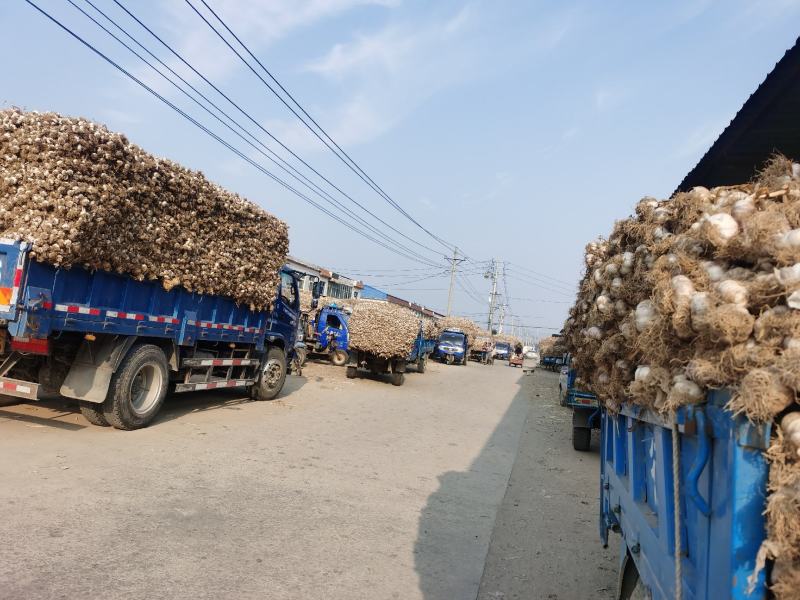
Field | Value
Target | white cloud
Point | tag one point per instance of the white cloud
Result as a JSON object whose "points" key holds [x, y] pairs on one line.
{"points": [[258, 23]]}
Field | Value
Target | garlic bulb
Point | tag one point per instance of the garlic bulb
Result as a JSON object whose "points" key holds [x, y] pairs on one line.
{"points": [[724, 224], [715, 271], [604, 304], [790, 424], [686, 389], [743, 208], [593, 333], [790, 239], [683, 288], [645, 315], [793, 300], [732, 291], [642, 373]]}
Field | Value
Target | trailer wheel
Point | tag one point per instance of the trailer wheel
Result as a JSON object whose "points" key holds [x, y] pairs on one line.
{"points": [[273, 375], [351, 372], [398, 378], [581, 438], [93, 412], [137, 388], [339, 358]]}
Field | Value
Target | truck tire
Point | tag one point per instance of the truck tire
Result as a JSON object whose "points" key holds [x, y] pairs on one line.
{"points": [[581, 438], [137, 388], [421, 364], [398, 378], [339, 358], [302, 355], [272, 377], [351, 372], [93, 412]]}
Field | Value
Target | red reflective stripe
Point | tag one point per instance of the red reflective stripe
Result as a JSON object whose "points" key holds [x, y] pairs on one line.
{"points": [[72, 309], [34, 345], [47, 305], [17, 277], [94, 311]]}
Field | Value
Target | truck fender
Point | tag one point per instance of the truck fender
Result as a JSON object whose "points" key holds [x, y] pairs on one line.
{"points": [[581, 417], [90, 374]]}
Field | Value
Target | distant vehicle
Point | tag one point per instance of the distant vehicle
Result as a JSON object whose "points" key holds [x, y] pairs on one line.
{"points": [[395, 367], [502, 350], [530, 360], [584, 405], [327, 332], [452, 347]]}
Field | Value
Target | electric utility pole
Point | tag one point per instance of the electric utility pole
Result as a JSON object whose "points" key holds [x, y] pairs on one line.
{"points": [[492, 274], [453, 262]]}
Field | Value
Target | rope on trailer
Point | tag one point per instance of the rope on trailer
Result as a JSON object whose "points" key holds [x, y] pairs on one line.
{"points": [[676, 500]]}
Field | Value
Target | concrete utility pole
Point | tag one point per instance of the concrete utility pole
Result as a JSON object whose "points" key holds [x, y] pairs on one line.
{"points": [[493, 295], [453, 262]]}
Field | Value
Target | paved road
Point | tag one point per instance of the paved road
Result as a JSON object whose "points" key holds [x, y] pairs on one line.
{"points": [[341, 489]]}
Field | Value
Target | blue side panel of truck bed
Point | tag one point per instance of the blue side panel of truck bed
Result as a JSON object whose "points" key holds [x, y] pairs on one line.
{"points": [[723, 483], [76, 299]]}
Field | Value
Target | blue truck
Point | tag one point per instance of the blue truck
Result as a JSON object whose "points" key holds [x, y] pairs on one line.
{"points": [[116, 344], [585, 409], [422, 349], [452, 347], [395, 367], [327, 332], [717, 522]]}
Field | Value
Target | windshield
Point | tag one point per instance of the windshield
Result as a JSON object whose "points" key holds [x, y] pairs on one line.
{"points": [[455, 339], [502, 346]]}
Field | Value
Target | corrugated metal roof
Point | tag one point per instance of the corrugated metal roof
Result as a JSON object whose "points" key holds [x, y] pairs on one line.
{"points": [[769, 122]]}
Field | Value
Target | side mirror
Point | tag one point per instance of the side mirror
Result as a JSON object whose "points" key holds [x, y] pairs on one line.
{"points": [[316, 289], [314, 303]]}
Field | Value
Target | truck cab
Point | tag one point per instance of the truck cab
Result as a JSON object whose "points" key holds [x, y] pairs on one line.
{"points": [[452, 347], [329, 333], [502, 350]]}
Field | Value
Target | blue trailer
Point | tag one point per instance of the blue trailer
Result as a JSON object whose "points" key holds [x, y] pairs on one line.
{"points": [[721, 491], [327, 332], [395, 367], [422, 350], [585, 409], [116, 344], [452, 347]]}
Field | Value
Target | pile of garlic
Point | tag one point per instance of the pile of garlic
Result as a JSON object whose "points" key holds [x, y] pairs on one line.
{"points": [[698, 292], [83, 195]]}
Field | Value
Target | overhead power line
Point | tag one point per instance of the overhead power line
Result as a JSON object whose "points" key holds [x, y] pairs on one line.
{"points": [[269, 154], [209, 132], [318, 131]]}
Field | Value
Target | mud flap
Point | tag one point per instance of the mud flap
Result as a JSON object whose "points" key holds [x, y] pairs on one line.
{"points": [[90, 375]]}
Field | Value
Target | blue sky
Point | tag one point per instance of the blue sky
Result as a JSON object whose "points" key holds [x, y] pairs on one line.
{"points": [[516, 130]]}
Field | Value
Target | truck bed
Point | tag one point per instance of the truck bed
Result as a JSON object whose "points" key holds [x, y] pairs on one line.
{"points": [[722, 487]]}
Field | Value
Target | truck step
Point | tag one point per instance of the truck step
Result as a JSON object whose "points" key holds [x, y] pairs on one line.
{"points": [[212, 385], [18, 388], [218, 362]]}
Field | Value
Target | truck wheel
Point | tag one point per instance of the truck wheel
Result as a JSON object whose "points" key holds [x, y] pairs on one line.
{"points": [[449, 359], [302, 355], [93, 412], [351, 372], [398, 378], [581, 438], [137, 388], [421, 364], [272, 376], [339, 358]]}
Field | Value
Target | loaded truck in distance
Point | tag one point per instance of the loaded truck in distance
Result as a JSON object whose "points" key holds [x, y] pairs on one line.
{"points": [[452, 347], [117, 344], [327, 332]]}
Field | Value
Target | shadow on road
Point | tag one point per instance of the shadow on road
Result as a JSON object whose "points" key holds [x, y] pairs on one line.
{"points": [[63, 413], [456, 523]]}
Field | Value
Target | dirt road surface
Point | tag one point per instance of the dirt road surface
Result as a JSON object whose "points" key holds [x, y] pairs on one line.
{"points": [[341, 489]]}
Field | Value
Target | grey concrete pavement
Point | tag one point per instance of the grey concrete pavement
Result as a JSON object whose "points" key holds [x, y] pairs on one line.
{"points": [[545, 542], [339, 490]]}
